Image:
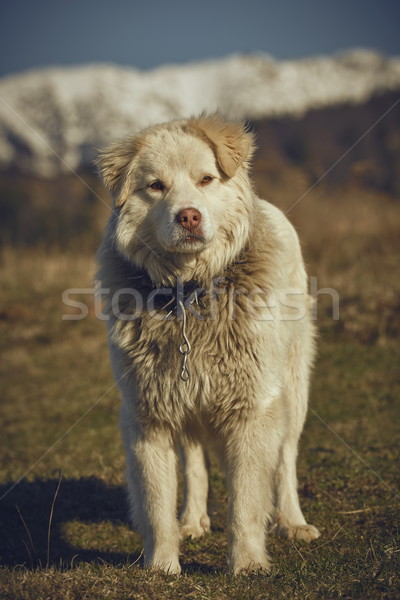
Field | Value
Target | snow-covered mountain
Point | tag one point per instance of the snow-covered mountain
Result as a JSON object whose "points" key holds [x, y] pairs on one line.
{"points": [[53, 120]]}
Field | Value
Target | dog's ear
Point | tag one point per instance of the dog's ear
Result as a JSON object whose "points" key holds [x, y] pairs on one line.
{"points": [[114, 165], [232, 144]]}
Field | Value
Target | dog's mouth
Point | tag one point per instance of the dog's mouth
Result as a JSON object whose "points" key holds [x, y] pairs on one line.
{"points": [[192, 238], [188, 242]]}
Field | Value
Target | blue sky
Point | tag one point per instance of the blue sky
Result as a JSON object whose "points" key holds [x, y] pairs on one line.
{"points": [[148, 33]]}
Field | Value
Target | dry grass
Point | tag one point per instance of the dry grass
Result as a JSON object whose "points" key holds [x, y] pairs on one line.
{"points": [[350, 240], [60, 410]]}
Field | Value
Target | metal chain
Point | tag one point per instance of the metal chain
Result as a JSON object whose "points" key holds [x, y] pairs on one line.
{"points": [[184, 347]]}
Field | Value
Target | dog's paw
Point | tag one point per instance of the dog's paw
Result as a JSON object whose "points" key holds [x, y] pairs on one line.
{"points": [[246, 566], [195, 528], [306, 532], [170, 566]]}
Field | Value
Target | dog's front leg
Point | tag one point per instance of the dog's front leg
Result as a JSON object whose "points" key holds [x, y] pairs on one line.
{"points": [[155, 457], [251, 455]]}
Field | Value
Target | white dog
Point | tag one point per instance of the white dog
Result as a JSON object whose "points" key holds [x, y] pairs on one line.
{"points": [[210, 336]]}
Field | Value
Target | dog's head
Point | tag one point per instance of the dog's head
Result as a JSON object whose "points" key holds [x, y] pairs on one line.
{"points": [[182, 194]]}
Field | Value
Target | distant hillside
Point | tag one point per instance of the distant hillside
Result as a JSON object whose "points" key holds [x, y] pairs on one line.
{"points": [[347, 143], [52, 120]]}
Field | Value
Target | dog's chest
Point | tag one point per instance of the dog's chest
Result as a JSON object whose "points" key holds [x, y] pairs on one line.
{"points": [[195, 353], [207, 334]]}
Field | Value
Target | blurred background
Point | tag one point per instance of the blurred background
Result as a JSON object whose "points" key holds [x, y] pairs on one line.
{"points": [[319, 84]]}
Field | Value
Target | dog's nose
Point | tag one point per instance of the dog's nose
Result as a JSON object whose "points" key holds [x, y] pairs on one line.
{"points": [[189, 218]]}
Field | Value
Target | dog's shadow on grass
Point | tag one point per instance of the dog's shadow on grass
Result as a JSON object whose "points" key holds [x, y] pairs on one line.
{"points": [[62, 523]]}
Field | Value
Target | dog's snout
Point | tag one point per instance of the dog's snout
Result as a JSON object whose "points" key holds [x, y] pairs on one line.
{"points": [[189, 218]]}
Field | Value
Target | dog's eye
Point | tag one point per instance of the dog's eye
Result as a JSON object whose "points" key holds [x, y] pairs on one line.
{"points": [[206, 180], [158, 186]]}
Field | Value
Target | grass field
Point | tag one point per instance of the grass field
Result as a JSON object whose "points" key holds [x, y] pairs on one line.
{"points": [[63, 517]]}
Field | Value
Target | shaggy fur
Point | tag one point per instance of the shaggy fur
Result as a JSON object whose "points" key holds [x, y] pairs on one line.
{"points": [[223, 303]]}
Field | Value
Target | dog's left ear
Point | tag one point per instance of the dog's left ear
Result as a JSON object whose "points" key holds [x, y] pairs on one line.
{"points": [[114, 167], [232, 144]]}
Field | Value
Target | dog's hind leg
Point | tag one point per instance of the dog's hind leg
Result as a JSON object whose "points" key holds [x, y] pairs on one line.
{"points": [[194, 518], [289, 517]]}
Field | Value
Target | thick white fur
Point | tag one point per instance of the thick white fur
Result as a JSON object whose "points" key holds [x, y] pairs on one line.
{"points": [[251, 350]]}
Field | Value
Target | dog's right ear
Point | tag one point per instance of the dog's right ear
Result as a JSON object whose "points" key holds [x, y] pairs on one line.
{"points": [[232, 144], [114, 165]]}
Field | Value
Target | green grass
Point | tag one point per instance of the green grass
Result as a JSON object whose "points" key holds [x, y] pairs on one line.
{"points": [[63, 515]]}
